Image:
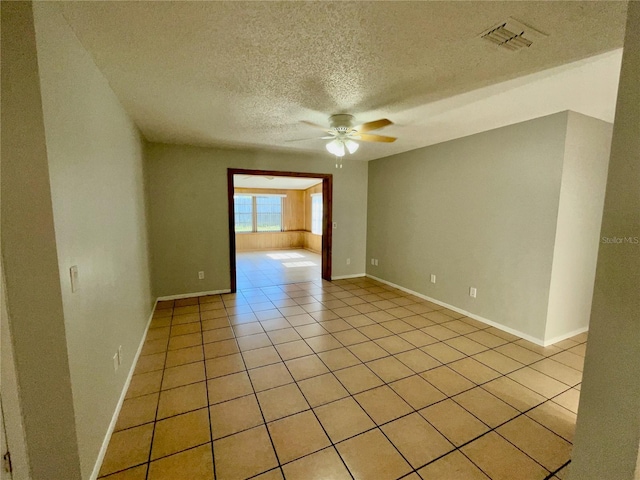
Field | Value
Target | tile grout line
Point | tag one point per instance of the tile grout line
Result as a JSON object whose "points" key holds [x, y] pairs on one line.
{"points": [[392, 333], [206, 387]]}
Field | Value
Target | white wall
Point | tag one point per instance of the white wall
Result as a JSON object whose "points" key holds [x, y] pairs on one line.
{"points": [[608, 427], [479, 211], [514, 212], [30, 263], [584, 177], [188, 211], [95, 158]]}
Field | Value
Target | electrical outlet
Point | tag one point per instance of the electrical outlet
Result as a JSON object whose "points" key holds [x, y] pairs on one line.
{"points": [[348, 261], [116, 364], [120, 355], [335, 225], [376, 262], [73, 273], [433, 278], [473, 292], [200, 275], [373, 261]]}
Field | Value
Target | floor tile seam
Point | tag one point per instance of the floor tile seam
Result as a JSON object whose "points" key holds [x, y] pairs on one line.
{"points": [[522, 451], [556, 403], [315, 416], [527, 411], [468, 442], [155, 419], [543, 425], [563, 351], [556, 379], [206, 385], [124, 470], [176, 453], [536, 392], [552, 474]]}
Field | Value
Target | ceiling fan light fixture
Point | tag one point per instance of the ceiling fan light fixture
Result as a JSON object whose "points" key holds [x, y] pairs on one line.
{"points": [[351, 146], [336, 147]]}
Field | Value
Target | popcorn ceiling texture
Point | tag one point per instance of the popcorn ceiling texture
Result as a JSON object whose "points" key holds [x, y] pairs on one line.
{"points": [[246, 73]]}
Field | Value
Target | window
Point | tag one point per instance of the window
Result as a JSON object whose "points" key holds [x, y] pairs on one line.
{"points": [[243, 206], [258, 213], [316, 213]]}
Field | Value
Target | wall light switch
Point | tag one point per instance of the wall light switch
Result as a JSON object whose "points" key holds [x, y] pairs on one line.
{"points": [[373, 261], [75, 285], [433, 278], [473, 292], [200, 275], [348, 261], [376, 262]]}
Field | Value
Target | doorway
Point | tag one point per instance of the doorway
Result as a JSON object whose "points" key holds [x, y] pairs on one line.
{"points": [[327, 192]]}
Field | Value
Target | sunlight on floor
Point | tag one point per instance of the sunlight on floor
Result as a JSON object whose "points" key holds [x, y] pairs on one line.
{"points": [[299, 264], [280, 256]]}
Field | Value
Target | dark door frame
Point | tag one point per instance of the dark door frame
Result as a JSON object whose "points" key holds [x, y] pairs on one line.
{"points": [[327, 202]]}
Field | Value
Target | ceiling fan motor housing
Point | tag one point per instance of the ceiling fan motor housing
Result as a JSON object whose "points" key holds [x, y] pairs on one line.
{"points": [[342, 122]]}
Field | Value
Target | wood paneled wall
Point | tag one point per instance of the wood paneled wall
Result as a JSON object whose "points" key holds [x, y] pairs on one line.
{"points": [[297, 223], [313, 242], [246, 242]]}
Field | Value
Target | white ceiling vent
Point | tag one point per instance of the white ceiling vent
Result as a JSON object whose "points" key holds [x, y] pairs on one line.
{"points": [[512, 35]]}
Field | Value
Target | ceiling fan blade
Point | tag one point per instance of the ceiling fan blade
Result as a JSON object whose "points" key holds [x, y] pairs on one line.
{"points": [[376, 124], [308, 138], [368, 137], [311, 124]]}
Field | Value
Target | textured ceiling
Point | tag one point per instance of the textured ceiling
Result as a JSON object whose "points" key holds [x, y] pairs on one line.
{"points": [[282, 183], [247, 73]]}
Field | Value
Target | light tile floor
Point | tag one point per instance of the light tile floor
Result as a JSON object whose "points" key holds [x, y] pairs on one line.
{"points": [[278, 267], [348, 379]]}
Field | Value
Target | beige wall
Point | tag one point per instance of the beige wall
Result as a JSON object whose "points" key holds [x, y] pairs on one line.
{"points": [[479, 211], [584, 176], [608, 429], [95, 164], [34, 299], [188, 212]]}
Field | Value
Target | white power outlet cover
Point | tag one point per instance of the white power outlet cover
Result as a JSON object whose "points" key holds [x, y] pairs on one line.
{"points": [[373, 262], [348, 261], [433, 278], [473, 292], [376, 262], [200, 275], [335, 225]]}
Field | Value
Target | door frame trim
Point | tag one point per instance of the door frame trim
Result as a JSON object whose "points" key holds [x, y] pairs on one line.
{"points": [[327, 222]]}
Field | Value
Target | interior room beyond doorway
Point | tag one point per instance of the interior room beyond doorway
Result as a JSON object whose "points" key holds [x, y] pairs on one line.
{"points": [[278, 224]]}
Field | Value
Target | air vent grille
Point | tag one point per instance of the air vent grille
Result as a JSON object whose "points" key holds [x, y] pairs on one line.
{"points": [[512, 35]]}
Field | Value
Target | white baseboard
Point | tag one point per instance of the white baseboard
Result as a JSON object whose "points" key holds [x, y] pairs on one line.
{"points": [[564, 336], [195, 294], [497, 325], [343, 277], [116, 413]]}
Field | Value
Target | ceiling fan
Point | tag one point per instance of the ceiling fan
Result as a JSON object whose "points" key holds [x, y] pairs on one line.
{"points": [[343, 134]]}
